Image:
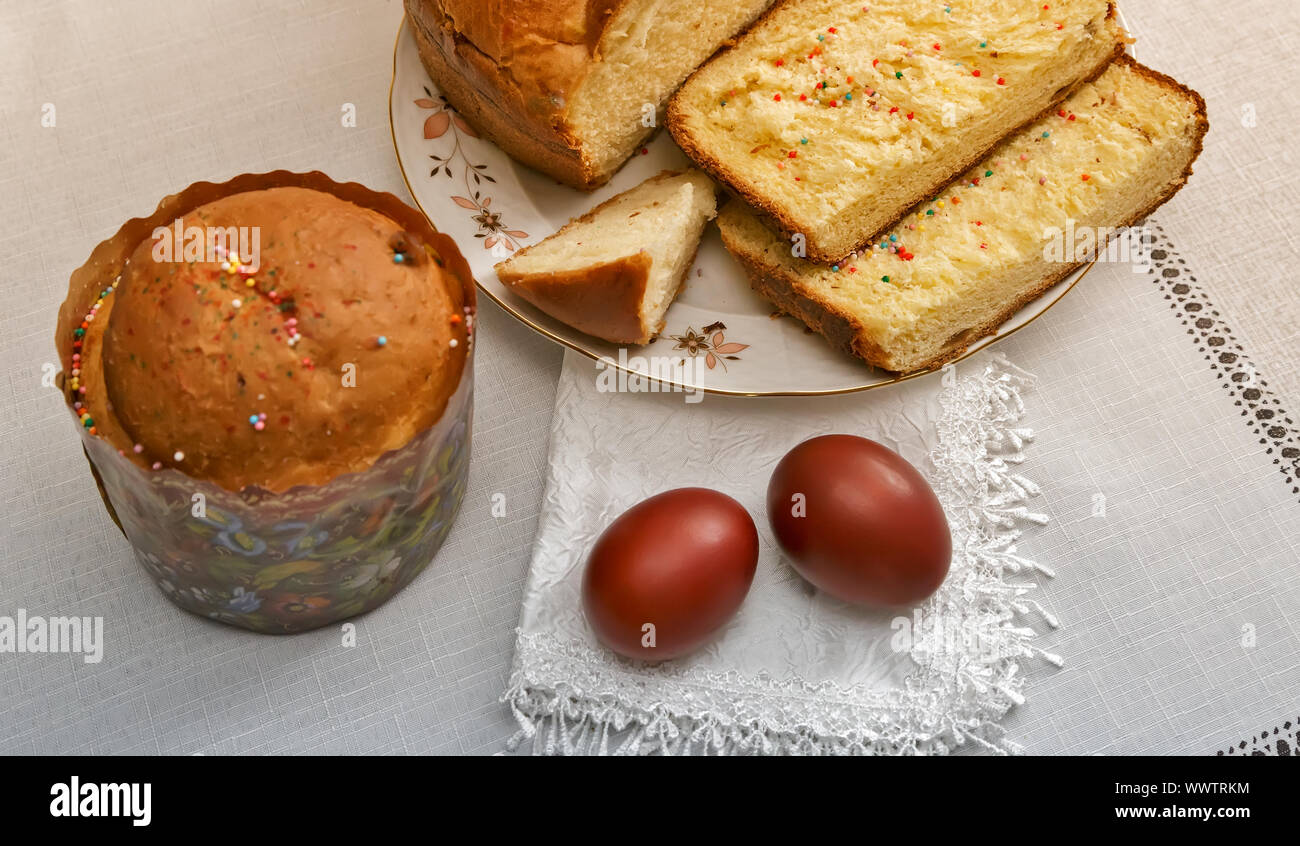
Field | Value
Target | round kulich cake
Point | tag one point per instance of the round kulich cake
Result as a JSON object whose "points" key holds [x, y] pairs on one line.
{"points": [[273, 381], [335, 337]]}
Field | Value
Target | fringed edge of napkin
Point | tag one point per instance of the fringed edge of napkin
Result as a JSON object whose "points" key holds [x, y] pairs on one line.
{"points": [[980, 442]]}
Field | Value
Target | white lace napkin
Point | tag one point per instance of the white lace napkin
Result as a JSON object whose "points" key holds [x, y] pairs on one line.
{"points": [[795, 671]]}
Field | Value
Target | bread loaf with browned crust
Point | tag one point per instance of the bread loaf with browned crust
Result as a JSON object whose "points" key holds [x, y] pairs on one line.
{"points": [[340, 337], [569, 87], [1042, 204], [833, 118]]}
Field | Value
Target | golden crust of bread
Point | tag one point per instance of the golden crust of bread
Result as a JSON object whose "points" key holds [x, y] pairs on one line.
{"points": [[844, 333], [173, 365], [776, 217], [562, 85], [781, 287], [509, 69], [603, 300]]}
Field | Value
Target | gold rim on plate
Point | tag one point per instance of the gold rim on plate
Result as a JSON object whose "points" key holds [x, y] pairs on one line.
{"points": [[983, 343]]}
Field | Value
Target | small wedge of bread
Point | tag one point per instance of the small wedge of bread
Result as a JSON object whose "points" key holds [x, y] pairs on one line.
{"points": [[833, 118], [965, 262], [613, 272]]}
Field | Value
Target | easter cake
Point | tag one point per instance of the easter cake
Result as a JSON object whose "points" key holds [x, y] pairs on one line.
{"points": [[232, 372], [272, 379]]}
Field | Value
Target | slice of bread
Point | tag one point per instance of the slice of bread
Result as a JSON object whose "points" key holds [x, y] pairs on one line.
{"points": [[1010, 229], [613, 272], [834, 118], [570, 87]]}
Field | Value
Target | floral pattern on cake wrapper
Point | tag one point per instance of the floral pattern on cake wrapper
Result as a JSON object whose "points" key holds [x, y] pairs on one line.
{"points": [[444, 119], [283, 563]]}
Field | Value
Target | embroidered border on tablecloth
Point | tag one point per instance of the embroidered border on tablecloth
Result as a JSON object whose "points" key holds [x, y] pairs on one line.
{"points": [[1260, 408], [1282, 741]]}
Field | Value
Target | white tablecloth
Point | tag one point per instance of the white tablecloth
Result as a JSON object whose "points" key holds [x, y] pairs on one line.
{"points": [[149, 96]]}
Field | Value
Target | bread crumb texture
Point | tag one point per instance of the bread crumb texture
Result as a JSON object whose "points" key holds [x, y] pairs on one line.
{"points": [[1105, 158], [835, 117], [613, 272]]}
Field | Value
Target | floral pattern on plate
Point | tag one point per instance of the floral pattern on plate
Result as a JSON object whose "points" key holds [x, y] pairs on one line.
{"points": [[711, 342], [443, 120]]}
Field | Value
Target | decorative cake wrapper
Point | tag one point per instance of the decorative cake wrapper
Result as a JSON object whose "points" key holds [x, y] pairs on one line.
{"points": [[308, 556]]}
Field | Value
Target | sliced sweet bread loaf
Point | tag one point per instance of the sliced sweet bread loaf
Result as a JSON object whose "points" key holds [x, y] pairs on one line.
{"points": [[834, 118], [964, 263]]}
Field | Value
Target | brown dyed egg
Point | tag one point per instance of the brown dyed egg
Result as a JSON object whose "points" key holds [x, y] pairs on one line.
{"points": [[669, 572], [859, 522]]}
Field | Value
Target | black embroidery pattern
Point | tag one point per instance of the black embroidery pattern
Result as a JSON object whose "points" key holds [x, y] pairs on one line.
{"points": [[1283, 740], [1260, 408]]}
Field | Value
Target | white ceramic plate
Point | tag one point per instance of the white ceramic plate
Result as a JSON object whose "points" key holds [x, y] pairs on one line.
{"points": [[720, 337]]}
